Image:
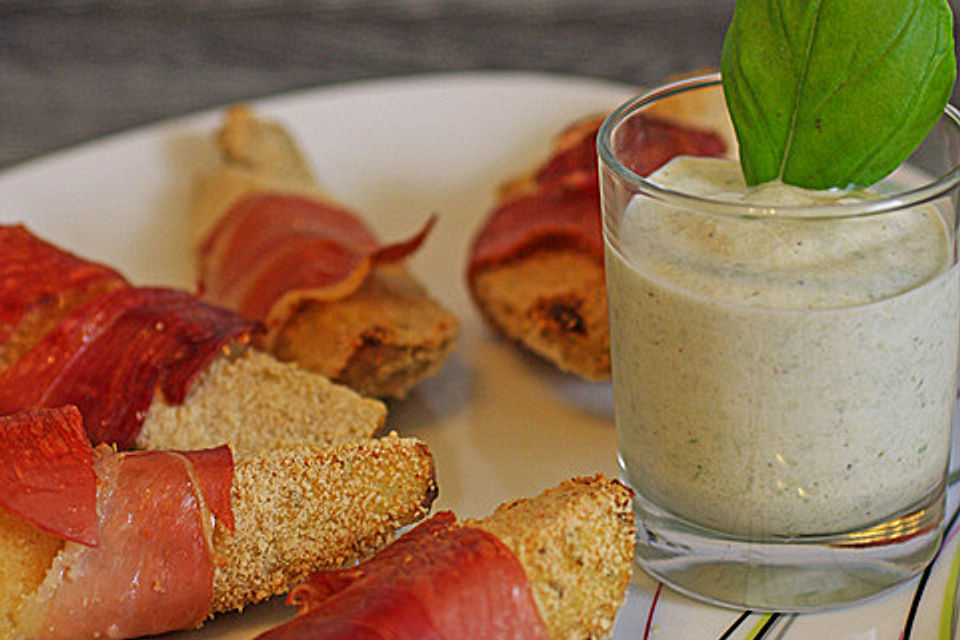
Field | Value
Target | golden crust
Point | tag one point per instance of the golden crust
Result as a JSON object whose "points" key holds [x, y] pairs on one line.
{"points": [[380, 340], [554, 303], [383, 338], [253, 402], [306, 509], [576, 544]]}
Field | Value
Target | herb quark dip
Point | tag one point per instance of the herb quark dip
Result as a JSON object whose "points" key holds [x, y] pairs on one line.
{"points": [[782, 376]]}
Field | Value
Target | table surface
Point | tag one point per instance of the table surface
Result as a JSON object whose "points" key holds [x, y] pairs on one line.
{"points": [[75, 70]]}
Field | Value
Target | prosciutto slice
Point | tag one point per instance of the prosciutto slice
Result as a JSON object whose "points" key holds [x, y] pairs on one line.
{"points": [[46, 471], [271, 251], [562, 207], [110, 355], [34, 272], [153, 569], [150, 564], [566, 216], [441, 581]]}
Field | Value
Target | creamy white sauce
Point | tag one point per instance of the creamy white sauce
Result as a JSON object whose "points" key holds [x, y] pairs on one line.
{"points": [[781, 377]]}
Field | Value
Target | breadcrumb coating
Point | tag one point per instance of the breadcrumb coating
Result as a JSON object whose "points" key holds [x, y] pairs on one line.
{"points": [[576, 543], [254, 402], [381, 340], [554, 303], [301, 510]]}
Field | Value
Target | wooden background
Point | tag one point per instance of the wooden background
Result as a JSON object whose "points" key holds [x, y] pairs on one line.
{"points": [[73, 70]]}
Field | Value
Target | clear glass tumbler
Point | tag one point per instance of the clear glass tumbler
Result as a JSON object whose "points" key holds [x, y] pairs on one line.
{"points": [[784, 366]]}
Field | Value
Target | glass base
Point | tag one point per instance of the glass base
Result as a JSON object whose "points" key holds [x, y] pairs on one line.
{"points": [[811, 573]]}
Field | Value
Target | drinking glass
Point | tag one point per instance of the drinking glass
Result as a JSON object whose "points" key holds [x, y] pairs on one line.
{"points": [[784, 371]]}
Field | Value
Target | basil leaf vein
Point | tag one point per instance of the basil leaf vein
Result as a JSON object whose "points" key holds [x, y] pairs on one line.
{"points": [[835, 93]]}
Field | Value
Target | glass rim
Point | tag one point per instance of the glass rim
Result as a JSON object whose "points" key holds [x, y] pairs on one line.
{"points": [[930, 190]]}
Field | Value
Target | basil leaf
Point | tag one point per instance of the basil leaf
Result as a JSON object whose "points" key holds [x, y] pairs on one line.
{"points": [[835, 93]]}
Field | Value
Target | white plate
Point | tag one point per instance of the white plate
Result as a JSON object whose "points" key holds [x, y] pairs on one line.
{"points": [[501, 424]]}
